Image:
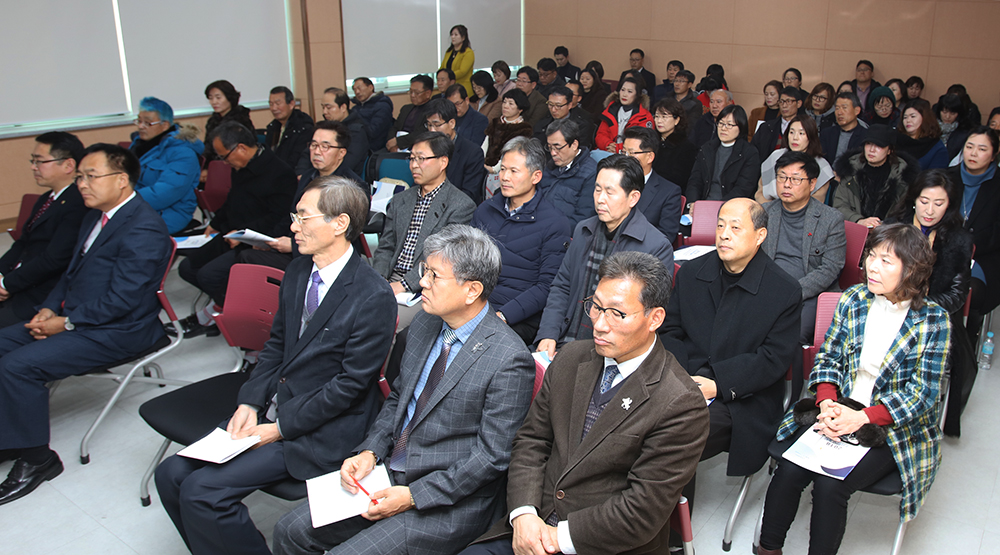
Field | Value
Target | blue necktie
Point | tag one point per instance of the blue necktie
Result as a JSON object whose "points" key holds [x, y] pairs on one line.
{"points": [[610, 373], [312, 297]]}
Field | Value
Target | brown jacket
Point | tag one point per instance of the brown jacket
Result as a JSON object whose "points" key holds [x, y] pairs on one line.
{"points": [[617, 487]]}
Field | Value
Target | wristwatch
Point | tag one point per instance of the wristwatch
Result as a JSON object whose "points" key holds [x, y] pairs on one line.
{"points": [[68, 325]]}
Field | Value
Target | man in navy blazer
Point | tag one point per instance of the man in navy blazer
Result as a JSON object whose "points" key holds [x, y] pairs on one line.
{"points": [[313, 393], [661, 199], [104, 309], [32, 266], [466, 169], [445, 432]]}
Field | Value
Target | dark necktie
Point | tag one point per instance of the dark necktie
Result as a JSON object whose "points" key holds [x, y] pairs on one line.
{"points": [[593, 411], [610, 373], [398, 460], [45, 206]]}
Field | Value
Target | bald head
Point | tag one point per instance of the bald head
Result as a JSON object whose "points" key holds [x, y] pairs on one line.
{"points": [[741, 231]]}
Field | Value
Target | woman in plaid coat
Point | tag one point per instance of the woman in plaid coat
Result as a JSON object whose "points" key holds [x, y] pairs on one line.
{"points": [[894, 367]]}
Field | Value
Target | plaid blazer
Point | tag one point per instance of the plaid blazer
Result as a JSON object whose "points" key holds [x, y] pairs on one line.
{"points": [[909, 385]]}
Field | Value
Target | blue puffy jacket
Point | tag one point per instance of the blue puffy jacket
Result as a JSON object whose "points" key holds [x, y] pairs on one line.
{"points": [[572, 191], [170, 174], [532, 245]]}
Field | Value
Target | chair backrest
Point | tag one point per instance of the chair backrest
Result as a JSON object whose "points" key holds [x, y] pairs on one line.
{"points": [[27, 203], [392, 165], [539, 376], [599, 155], [704, 216], [217, 184], [826, 306], [851, 274], [383, 383], [251, 302], [124, 144]]}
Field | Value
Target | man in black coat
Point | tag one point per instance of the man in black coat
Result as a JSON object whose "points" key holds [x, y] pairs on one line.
{"points": [[289, 132], [32, 266], [636, 58], [768, 137], [411, 115], [733, 324], [466, 168], [312, 395], [337, 107], [560, 104], [661, 199], [262, 189], [849, 133]]}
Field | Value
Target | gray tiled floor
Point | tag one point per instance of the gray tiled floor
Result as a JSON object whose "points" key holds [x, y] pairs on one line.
{"points": [[95, 508]]}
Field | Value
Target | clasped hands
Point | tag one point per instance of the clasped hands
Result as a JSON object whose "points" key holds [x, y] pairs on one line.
{"points": [[533, 537], [244, 424], [46, 324], [836, 420], [391, 501]]}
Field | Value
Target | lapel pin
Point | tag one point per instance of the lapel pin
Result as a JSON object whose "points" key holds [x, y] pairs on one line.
{"points": [[626, 403], [476, 347]]}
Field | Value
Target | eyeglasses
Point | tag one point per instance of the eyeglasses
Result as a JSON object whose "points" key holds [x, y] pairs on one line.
{"points": [[634, 153], [726, 126], [664, 117], [424, 272], [301, 219], [85, 178], [230, 153], [524, 81], [554, 105], [419, 160], [415, 93], [795, 180], [820, 97], [139, 123], [787, 101], [612, 315], [556, 148], [432, 125], [38, 163], [323, 147]]}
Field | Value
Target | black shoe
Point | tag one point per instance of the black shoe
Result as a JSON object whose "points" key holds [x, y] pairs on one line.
{"points": [[24, 478], [192, 328]]}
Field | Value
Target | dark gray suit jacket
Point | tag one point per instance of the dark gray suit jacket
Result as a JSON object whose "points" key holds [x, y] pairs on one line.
{"points": [[450, 206], [459, 446], [661, 204], [824, 245]]}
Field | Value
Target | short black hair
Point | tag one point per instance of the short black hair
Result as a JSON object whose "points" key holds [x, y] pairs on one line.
{"points": [[530, 72], [502, 67], [850, 96], [450, 73], [424, 80], [569, 128], [232, 133], [639, 52], [339, 96], [739, 116], [456, 88], [914, 80], [809, 163], [677, 63], [792, 92], [868, 63], [641, 268], [648, 138], [798, 74], [438, 142], [281, 89], [338, 127], [563, 91], [561, 51], [686, 75], [62, 145], [547, 64], [632, 177], [120, 159], [441, 107], [520, 99], [364, 80]]}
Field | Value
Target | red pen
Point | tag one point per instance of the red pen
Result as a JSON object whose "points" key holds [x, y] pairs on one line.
{"points": [[362, 488]]}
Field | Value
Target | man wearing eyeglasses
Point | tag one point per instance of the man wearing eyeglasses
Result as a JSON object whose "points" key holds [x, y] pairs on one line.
{"points": [[704, 128], [469, 124], [466, 168], [337, 107], [527, 82], [103, 309], [417, 213], [805, 237], [560, 104], [618, 227], [661, 198], [768, 136], [411, 116], [612, 435], [568, 178], [733, 324], [548, 76], [37, 259]]}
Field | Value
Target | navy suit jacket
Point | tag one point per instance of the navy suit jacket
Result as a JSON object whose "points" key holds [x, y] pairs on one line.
{"points": [[44, 252], [109, 292], [466, 170], [472, 126], [326, 380], [661, 204], [829, 137]]}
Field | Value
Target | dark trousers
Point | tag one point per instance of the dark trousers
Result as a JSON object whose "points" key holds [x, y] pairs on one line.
{"points": [[720, 434], [502, 546], [27, 364], [527, 329], [208, 268], [9, 316], [205, 500], [829, 500]]}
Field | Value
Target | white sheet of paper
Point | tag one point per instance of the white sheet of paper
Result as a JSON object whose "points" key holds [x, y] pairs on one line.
{"points": [[383, 194], [407, 298], [329, 502], [542, 357], [692, 252], [250, 237], [218, 447], [820, 454], [192, 242]]}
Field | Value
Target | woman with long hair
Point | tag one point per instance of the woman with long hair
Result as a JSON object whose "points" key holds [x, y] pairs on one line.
{"points": [[820, 105], [676, 154], [727, 166], [920, 136], [624, 110], [485, 99], [800, 136], [459, 57]]}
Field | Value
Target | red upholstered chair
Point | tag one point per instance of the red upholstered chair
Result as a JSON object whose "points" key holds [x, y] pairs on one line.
{"points": [[852, 274], [27, 203], [704, 215], [217, 185], [680, 522]]}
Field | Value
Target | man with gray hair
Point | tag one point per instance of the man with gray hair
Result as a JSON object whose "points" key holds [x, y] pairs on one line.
{"points": [[313, 392], [532, 234], [613, 434], [703, 128], [445, 431]]}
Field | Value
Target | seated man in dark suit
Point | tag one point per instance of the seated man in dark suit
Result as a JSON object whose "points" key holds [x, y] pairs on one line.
{"points": [[661, 199], [445, 431], [768, 136], [417, 213], [445, 79], [314, 390], [469, 124], [466, 169], [548, 76], [261, 193], [613, 434], [532, 235], [560, 104], [288, 133], [849, 133], [411, 116], [104, 309], [35, 262], [566, 70], [617, 227], [733, 324], [636, 60]]}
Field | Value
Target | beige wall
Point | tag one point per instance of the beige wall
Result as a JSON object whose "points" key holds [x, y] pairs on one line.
{"points": [[943, 42]]}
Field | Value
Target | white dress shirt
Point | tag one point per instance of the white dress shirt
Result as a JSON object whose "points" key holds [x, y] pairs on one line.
{"points": [[98, 227]]}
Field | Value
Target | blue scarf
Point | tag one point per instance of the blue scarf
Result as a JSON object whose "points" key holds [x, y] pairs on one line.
{"points": [[972, 183]]}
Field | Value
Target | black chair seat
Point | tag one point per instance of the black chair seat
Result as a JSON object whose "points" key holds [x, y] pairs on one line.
{"points": [[187, 414], [890, 484], [160, 344], [289, 490]]}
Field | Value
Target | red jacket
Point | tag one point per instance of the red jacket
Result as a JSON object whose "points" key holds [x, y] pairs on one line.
{"points": [[607, 132]]}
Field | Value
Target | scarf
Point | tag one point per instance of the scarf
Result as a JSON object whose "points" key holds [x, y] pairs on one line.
{"points": [[947, 129], [972, 183]]}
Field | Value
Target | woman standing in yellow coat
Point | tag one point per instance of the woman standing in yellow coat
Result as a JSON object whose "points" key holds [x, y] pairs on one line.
{"points": [[460, 58]]}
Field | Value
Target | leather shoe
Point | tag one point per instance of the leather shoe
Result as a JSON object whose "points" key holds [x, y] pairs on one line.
{"points": [[192, 328], [24, 478]]}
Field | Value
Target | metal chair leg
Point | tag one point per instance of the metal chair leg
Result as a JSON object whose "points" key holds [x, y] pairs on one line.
{"points": [[897, 542], [144, 485], [727, 537]]}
